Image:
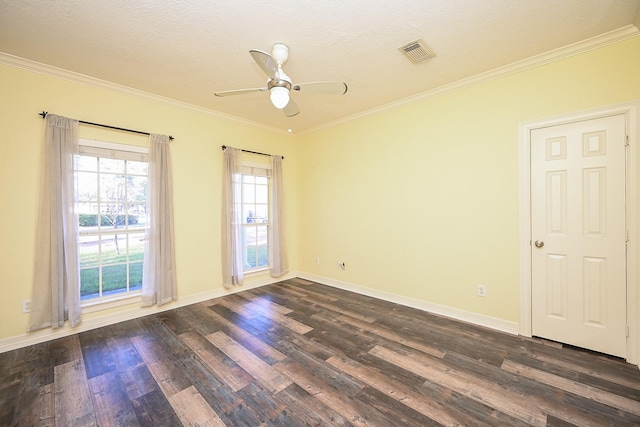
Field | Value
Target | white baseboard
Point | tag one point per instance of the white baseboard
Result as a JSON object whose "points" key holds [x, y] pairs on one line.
{"points": [[44, 335], [443, 310], [37, 337]]}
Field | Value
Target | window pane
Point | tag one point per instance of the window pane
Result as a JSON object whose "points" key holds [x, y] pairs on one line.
{"points": [[249, 247], [261, 235], [262, 215], [248, 193], [87, 186], [136, 247], [248, 179], [136, 216], [89, 282], [137, 168], [86, 163], [88, 251], [87, 216], [136, 188], [262, 246], [262, 180], [111, 165], [114, 278], [112, 216], [113, 248], [112, 187], [135, 276], [248, 214], [262, 194]]}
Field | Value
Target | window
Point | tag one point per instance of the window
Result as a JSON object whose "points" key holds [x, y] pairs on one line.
{"points": [[111, 203], [255, 218]]}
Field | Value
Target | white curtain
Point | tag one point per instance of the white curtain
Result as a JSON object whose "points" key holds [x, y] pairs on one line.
{"points": [[232, 260], [56, 287], [159, 272], [277, 243]]}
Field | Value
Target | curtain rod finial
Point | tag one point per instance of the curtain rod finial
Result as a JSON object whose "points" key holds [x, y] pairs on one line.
{"points": [[43, 114]]}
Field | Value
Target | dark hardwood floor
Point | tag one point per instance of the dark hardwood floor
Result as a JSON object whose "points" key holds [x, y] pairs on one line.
{"points": [[299, 353]]}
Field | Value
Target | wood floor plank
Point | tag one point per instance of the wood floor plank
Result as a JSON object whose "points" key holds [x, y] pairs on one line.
{"points": [[219, 395], [193, 410], [483, 391], [337, 309], [305, 292], [163, 369], [73, 403], [153, 409], [393, 336], [36, 407], [395, 410], [586, 391], [264, 304], [261, 371], [112, 405], [231, 374], [620, 377], [137, 381], [352, 410], [550, 400], [312, 411], [433, 410], [243, 337]]}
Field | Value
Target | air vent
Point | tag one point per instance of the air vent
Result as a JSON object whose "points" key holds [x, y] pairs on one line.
{"points": [[417, 51]]}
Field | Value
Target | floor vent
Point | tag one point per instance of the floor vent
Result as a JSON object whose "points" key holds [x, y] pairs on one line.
{"points": [[417, 51]]}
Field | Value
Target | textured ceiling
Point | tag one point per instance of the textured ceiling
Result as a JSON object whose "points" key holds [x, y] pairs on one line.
{"points": [[187, 49]]}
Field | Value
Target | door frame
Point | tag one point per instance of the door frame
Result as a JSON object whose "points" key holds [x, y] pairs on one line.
{"points": [[631, 111]]}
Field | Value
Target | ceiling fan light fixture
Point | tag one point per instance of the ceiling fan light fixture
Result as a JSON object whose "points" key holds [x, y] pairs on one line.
{"points": [[279, 97]]}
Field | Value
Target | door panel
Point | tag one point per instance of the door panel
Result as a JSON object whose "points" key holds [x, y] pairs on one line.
{"points": [[578, 225]]}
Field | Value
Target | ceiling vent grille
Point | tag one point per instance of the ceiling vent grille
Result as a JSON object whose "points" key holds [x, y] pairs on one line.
{"points": [[417, 51]]}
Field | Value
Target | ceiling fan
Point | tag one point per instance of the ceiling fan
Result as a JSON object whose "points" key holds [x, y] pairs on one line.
{"points": [[280, 85]]}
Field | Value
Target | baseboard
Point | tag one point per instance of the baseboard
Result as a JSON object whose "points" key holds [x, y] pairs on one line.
{"points": [[44, 335], [49, 334], [454, 313]]}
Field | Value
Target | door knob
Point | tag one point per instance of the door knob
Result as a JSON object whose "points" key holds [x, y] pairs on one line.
{"points": [[538, 243]]}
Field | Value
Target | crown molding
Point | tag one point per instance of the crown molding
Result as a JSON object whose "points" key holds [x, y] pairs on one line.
{"points": [[602, 40], [593, 43], [60, 73]]}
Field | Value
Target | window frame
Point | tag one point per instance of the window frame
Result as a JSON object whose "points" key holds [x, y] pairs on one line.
{"points": [[110, 150]]}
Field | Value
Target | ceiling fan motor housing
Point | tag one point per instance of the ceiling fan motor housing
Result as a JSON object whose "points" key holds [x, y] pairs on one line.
{"points": [[280, 52]]}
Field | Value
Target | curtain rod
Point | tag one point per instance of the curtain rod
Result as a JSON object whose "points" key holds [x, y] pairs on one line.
{"points": [[44, 114], [224, 147]]}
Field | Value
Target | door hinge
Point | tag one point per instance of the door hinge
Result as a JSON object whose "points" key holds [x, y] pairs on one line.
{"points": [[627, 331], [626, 141]]}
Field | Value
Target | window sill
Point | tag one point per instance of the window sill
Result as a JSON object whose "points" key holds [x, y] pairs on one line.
{"points": [[256, 272], [93, 306]]}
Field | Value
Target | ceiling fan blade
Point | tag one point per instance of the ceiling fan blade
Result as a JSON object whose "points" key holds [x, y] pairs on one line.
{"points": [[265, 61], [240, 91], [291, 109], [334, 88]]}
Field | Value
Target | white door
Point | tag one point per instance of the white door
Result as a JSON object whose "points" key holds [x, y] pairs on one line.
{"points": [[578, 234]]}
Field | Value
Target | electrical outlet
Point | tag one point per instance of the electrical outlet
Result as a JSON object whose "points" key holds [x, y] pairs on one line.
{"points": [[317, 260], [26, 305], [342, 265], [482, 291]]}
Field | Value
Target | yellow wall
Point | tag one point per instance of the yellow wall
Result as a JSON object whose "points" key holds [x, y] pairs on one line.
{"points": [[422, 201], [197, 160]]}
